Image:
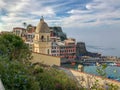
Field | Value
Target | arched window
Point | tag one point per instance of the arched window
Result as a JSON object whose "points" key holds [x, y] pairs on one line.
{"points": [[42, 38]]}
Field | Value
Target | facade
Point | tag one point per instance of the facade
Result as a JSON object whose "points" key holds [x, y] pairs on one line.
{"points": [[29, 36], [48, 41], [51, 41], [64, 49], [26, 34], [20, 32], [42, 43]]}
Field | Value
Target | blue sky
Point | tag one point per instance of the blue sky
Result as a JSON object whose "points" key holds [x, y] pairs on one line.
{"points": [[96, 22]]}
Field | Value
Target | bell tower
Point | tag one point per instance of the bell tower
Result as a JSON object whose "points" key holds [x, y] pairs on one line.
{"points": [[42, 43]]}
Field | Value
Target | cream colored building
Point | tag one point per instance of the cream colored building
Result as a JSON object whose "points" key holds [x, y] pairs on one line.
{"points": [[42, 43]]}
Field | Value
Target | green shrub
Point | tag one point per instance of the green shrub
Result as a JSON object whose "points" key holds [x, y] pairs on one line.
{"points": [[16, 76]]}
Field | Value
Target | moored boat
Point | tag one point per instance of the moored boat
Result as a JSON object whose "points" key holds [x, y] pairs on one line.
{"points": [[112, 64], [118, 64], [73, 63]]}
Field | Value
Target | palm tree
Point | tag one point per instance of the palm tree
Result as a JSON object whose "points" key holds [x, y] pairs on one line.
{"points": [[25, 24]]}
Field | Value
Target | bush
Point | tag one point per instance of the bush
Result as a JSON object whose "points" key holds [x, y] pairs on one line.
{"points": [[13, 47], [16, 76], [53, 79]]}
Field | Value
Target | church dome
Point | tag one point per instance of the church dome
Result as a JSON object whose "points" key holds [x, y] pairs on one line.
{"points": [[42, 27]]}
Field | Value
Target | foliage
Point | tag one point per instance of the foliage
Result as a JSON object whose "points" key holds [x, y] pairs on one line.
{"points": [[24, 24], [101, 70], [113, 87], [14, 48], [16, 76], [53, 79]]}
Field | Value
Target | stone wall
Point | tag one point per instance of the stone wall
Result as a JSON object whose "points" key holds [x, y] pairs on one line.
{"points": [[45, 59], [88, 80]]}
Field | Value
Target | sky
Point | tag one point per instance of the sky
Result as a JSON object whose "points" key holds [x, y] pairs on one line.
{"points": [[95, 22]]}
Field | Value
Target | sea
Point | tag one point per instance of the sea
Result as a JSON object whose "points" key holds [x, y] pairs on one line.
{"points": [[112, 72]]}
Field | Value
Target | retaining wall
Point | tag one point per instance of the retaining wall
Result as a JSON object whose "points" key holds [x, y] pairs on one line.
{"points": [[45, 59]]}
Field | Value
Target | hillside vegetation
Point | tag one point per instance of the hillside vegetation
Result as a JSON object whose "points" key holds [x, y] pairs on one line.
{"points": [[17, 73]]}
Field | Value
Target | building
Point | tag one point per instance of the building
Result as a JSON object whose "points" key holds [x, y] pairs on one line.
{"points": [[52, 41], [48, 41], [26, 34], [21, 32], [42, 43], [29, 36], [64, 49]]}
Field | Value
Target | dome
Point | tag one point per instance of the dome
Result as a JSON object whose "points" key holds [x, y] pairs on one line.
{"points": [[42, 27]]}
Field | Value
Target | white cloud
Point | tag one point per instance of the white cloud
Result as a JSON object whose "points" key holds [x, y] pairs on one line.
{"points": [[46, 11], [2, 3], [21, 11], [77, 11], [97, 12]]}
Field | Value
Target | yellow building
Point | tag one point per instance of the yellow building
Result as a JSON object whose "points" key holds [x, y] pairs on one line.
{"points": [[42, 43]]}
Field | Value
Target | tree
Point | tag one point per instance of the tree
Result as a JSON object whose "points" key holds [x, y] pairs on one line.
{"points": [[13, 47], [24, 24]]}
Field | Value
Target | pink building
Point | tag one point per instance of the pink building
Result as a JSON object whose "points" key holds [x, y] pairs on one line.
{"points": [[65, 49]]}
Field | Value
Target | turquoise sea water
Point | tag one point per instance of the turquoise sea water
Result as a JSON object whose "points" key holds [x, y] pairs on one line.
{"points": [[112, 72]]}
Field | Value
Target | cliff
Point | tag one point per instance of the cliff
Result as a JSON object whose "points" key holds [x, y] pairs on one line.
{"points": [[82, 51], [59, 33]]}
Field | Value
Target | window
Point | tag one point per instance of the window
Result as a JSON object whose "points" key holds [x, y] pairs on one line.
{"points": [[42, 38]]}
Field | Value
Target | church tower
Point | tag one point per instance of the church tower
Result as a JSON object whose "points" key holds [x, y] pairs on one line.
{"points": [[42, 43]]}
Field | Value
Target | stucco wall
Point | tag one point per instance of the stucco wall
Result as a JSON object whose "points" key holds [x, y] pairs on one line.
{"points": [[45, 59]]}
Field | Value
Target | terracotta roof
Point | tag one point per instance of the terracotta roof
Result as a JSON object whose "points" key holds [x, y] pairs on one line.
{"points": [[18, 28]]}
